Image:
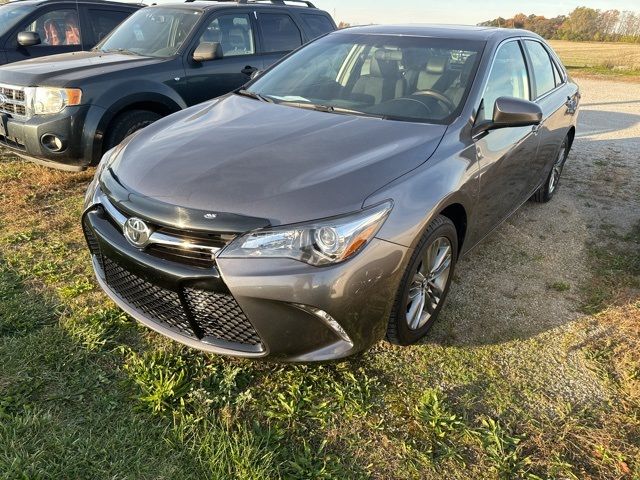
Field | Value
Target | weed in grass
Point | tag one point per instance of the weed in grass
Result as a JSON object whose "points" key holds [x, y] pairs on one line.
{"points": [[504, 450], [440, 423], [560, 286]]}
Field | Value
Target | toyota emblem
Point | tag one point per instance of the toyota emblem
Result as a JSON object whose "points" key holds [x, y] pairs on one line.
{"points": [[137, 232]]}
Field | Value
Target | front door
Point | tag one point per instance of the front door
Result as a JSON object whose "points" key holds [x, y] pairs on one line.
{"points": [[506, 157], [59, 31], [235, 33]]}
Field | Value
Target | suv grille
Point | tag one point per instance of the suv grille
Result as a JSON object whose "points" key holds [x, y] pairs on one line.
{"points": [[15, 104]]}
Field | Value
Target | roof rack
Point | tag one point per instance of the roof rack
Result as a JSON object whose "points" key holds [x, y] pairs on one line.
{"points": [[275, 2]]}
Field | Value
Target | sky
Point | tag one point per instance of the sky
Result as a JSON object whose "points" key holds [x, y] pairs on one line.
{"points": [[456, 11]]}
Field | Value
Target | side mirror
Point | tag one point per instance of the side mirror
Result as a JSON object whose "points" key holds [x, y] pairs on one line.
{"points": [[207, 51], [512, 112], [29, 39]]}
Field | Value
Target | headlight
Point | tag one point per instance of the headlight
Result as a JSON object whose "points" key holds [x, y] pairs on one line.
{"points": [[53, 100], [324, 242]]}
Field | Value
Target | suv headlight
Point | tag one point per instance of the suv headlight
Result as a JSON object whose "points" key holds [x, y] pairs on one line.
{"points": [[324, 242], [48, 100]]}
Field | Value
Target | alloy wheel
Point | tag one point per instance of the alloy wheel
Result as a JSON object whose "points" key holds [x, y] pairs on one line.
{"points": [[429, 282], [554, 179]]}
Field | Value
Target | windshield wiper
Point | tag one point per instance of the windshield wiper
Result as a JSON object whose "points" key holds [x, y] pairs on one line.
{"points": [[254, 95], [331, 109]]}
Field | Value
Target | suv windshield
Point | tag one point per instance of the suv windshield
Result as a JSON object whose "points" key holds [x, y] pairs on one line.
{"points": [[11, 14], [152, 32], [394, 77]]}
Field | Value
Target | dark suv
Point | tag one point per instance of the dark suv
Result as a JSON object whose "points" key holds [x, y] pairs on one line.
{"points": [[36, 28], [67, 110]]}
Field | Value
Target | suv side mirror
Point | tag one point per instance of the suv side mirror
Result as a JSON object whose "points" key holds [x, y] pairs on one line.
{"points": [[29, 39], [512, 112], [206, 51]]}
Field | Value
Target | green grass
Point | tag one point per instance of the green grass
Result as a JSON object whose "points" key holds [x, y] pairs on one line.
{"points": [[85, 392]]}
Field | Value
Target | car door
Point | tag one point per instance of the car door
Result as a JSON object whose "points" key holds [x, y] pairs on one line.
{"points": [[59, 30], [99, 21], [548, 83], [505, 156], [235, 32], [279, 35]]}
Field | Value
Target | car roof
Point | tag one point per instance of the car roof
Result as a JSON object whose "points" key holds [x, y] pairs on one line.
{"points": [[97, 2], [212, 4], [462, 32]]}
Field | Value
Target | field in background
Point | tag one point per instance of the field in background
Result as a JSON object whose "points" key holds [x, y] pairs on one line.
{"points": [[532, 371], [621, 59]]}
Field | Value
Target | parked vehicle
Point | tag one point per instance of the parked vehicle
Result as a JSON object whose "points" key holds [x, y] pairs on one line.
{"points": [[67, 110], [325, 205], [36, 28]]}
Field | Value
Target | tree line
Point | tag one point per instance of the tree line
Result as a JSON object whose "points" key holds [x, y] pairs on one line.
{"points": [[583, 24]]}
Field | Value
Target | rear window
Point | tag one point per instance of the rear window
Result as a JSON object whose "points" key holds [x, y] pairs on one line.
{"points": [[317, 25], [103, 21], [544, 76], [279, 32]]}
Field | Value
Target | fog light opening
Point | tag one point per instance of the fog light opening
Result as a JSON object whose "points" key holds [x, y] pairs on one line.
{"points": [[53, 143]]}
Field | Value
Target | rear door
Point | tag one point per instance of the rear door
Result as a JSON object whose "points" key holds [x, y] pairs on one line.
{"points": [[59, 30], [549, 82], [235, 31], [279, 34], [506, 156], [99, 21]]}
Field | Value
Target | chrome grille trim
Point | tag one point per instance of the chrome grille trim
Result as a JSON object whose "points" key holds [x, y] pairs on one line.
{"points": [[17, 101], [156, 238]]}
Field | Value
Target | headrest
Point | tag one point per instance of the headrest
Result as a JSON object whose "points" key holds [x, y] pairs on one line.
{"points": [[389, 55], [437, 64]]}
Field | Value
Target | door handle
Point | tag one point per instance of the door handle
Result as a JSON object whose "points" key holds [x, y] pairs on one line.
{"points": [[536, 129], [248, 70], [571, 105]]}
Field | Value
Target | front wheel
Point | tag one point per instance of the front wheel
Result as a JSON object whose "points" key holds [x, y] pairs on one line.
{"points": [[546, 191], [425, 283], [126, 123]]}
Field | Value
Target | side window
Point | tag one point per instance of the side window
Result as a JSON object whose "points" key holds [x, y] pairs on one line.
{"points": [[542, 67], [559, 77], [508, 78], [279, 32], [103, 21], [233, 33], [317, 24], [57, 27]]}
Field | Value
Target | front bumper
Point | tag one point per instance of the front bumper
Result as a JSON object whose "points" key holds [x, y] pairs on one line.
{"points": [[278, 309], [76, 126]]}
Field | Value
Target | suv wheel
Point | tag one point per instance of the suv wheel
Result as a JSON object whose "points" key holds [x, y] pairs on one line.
{"points": [[126, 123], [425, 283]]}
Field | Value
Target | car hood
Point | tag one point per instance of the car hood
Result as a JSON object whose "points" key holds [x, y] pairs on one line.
{"points": [[285, 164], [67, 68]]}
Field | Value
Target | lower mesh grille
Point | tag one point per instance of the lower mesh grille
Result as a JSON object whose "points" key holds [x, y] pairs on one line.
{"points": [[157, 303], [220, 316], [92, 242]]}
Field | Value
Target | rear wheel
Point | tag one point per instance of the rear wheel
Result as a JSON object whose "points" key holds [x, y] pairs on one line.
{"points": [[126, 123], [425, 283], [545, 192]]}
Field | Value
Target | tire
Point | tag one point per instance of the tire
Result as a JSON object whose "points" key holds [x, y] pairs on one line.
{"points": [[440, 234], [550, 187], [126, 123]]}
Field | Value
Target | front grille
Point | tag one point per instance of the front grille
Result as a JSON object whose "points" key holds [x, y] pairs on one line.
{"points": [[15, 104], [162, 305], [92, 242], [196, 257], [219, 316]]}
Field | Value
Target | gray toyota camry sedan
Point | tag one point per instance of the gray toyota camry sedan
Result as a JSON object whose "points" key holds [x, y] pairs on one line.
{"points": [[323, 206]]}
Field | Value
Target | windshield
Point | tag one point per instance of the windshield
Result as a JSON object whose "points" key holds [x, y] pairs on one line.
{"points": [[11, 14], [394, 77], [152, 32]]}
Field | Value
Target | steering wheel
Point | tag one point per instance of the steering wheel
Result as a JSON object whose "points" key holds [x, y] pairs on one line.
{"points": [[438, 96]]}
